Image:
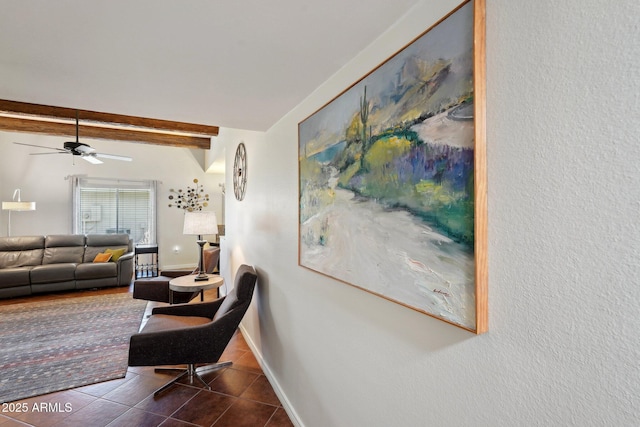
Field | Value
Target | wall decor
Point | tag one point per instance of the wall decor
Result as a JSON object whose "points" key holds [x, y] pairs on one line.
{"points": [[192, 199], [392, 177], [240, 172]]}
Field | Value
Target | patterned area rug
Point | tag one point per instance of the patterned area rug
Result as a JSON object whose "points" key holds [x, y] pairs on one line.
{"points": [[60, 344]]}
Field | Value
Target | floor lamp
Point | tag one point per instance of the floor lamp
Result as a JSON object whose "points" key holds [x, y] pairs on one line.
{"points": [[200, 223], [16, 205]]}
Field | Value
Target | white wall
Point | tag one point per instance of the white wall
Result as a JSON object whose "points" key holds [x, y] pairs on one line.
{"points": [[42, 179], [562, 346], [238, 218]]}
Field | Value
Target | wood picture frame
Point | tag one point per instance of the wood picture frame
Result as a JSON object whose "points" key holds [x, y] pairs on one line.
{"points": [[392, 177]]}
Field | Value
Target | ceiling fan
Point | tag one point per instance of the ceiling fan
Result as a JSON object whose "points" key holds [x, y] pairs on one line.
{"points": [[77, 148]]}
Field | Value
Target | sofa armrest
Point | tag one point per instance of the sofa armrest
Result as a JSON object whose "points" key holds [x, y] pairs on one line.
{"points": [[125, 256], [125, 269]]}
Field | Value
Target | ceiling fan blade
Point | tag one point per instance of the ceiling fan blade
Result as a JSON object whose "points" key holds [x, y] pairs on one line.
{"points": [[91, 158], [61, 150], [113, 157], [77, 148]]}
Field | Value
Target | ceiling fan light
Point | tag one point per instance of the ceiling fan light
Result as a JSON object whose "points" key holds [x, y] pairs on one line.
{"points": [[84, 149]]}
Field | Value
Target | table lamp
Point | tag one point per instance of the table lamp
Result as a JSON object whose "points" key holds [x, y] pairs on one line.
{"points": [[200, 223], [16, 205]]}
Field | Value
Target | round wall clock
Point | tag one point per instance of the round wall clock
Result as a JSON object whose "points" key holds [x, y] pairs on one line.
{"points": [[240, 172]]}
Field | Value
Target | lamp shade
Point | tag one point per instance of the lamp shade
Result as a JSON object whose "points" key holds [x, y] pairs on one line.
{"points": [[18, 206], [200, 223]]}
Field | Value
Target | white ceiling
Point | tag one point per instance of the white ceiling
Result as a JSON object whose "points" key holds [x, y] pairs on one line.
{"points": [[231, 63]]}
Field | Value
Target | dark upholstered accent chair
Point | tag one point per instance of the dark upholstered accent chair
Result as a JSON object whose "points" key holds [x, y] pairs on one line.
{"points": [[157, 288], [193, 334]]}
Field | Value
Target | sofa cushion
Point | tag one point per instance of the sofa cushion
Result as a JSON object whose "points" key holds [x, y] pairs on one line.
{"points": [[96, 270], [21, 243], [68, 248], [21, 251], [61, 240], [98, 243], [51, 273], [10, 277], [115, 253], [102, 257], [63, 255], [10, 259]]}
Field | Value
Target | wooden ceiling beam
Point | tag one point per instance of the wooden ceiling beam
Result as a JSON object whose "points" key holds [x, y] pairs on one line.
{"points": [[67, 129], [95, 124]]}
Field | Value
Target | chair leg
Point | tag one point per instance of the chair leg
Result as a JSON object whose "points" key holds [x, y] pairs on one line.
{"points": [[213, 367], [170, 383], [191, 372]]}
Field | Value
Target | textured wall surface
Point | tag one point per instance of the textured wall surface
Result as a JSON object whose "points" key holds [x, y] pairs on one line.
{"points": [[564, 245]]}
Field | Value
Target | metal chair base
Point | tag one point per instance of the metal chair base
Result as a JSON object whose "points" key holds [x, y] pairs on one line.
{"points": [[191, 372]]}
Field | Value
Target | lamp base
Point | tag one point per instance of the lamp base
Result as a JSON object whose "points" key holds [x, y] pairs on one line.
{"points": [[202, 276]]}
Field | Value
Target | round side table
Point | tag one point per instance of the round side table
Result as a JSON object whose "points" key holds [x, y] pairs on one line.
{"points": [[187, 284]]}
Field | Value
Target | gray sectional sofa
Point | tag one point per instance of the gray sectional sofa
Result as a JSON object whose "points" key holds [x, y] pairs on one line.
{"points": [[39, 264]]}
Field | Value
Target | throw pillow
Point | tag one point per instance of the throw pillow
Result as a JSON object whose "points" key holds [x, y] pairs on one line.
{"points": [[105, 257], [116, 253]]}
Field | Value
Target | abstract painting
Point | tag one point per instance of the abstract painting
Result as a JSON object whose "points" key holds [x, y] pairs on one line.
{"points": [[392, 187]]}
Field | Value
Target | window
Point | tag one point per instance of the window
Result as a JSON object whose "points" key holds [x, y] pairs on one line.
{"points": [[106, 206]]}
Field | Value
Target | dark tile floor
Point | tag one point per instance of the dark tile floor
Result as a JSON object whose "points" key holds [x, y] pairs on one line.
{"points": [[240, 396]]}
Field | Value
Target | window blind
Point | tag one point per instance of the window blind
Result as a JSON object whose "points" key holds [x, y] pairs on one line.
{"points": [[110, 206]]}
